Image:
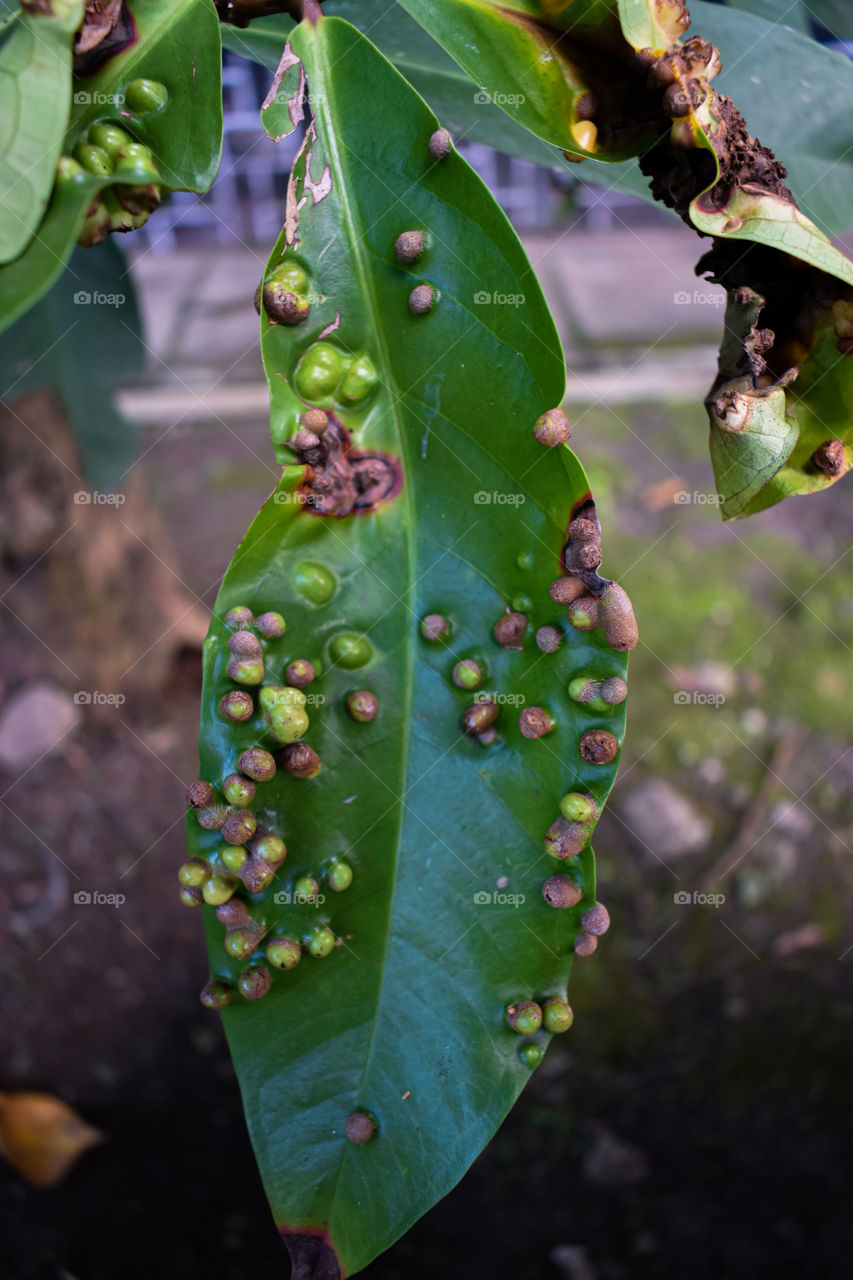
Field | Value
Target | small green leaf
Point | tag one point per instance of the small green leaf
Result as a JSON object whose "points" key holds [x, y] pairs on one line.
{"points": [[35, 93], [442, 513], [652, 24]]}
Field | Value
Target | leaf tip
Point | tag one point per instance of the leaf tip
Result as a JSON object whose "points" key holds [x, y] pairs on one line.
{"points": [[311, 1256]]}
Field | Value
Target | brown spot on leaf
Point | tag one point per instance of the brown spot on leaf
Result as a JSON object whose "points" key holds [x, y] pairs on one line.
{"points": [[829, 457], [341, 481], [597, 746], [311, 1256], [107, 29]]}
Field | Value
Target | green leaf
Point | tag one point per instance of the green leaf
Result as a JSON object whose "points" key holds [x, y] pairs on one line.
{"points": [[405, 1019], [177, 44], [794, 15], [652, 24], [35, 93], [81, 339]]}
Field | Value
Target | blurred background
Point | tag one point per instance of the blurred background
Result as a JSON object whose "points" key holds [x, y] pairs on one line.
{"points": [[695, 1121]]}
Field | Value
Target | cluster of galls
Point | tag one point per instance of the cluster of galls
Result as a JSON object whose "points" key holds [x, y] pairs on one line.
{"points": [[109, 150], [250, 858]]}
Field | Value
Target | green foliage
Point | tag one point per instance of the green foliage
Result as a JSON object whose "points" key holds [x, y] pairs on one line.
{"points": [[398, 1009], [91, 308]]}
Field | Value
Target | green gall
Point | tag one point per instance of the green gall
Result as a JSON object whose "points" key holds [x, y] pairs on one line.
{"points": [[282, 696], [530, 1054], [238, 828], [577, 807], [93, 159], [468, 674], [290, 276], [232, 913], [68, 170], [614, 690], [481, 715], [588, 691], [596, 920], [215, 994], [257, 764], [134, 156], [245, 671], [434, 627], [109, 137], [300, 760], [566, 590], [319, 372], [241, 942], [243, 644], [257, 875], [597, 746], [299, 673], [561, 892], [524, 1017], [239, 616], [585, 614], [360, 1128], [422, 299], [238, 791], [254, 983], [510, 629], [349, 649], [585, 944], [305, 889], [439, 144], [213, 817], [362, 705], [270, 849], [200, 794], [145, 96], [552, 428], [359, 381], [284, 953], [283, 306], [548, 639], [287, 724], [194, 874], [339, 876], [236, 705], [565, 839], [321, 942], [409, 246], [314, 582], [617, 619], [219, 889], [271, 625], [314, 420], [535, 722], [233, 856], [557, 1016], [190, 896]]}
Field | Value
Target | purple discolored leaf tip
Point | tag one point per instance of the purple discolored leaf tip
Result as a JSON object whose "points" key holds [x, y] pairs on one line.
{"points": [[311, 1257]]}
